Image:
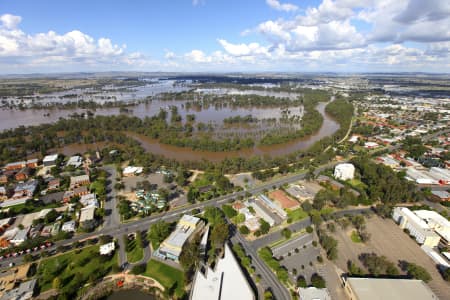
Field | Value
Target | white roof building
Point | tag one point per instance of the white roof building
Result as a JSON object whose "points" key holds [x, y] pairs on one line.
{"points": [[107, 249], [420, 177], [172, 246], [68, 226], [130, 170], [225, 282], [50, 160], [416, 226], [20, 237], [89, 200], [436, 222], [75, 161], [87, 214], [344, 171]]}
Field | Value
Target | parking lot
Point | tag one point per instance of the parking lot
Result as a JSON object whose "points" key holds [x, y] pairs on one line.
{"points": [[389, 240], [298, 253]]}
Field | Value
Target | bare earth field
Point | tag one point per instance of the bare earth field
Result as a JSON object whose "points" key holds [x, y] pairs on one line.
{"points": [[389, 240]]}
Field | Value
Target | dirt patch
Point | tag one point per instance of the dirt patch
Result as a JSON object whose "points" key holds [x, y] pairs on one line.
{"points": [[389, 240]]}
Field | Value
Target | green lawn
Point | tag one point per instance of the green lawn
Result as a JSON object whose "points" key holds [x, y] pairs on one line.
{"points": [[168, 276], [296, 214], [357, 184], [74, 268], [355, 237], [134, 252]]}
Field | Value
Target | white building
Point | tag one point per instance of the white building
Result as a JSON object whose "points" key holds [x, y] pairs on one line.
{"points": [[89, 200], [344, 171], [68, 226], [107, 249], [75, 161], [312, 293], [225, 282], [87, 214], [417, 227], [20, 237], [436, 222], [50, 160], [440, 174], [172, 246], [420, 177], [131, 171]]}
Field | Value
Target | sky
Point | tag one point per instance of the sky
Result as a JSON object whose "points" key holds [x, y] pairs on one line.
{"points": [[52, 36]]}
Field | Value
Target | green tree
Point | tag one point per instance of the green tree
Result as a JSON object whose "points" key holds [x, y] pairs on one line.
{"points": [[301, 281], [264, 226], [418, 272], [317, 281], [244, 230], [229, 211], [287, 233], [158, 232]]}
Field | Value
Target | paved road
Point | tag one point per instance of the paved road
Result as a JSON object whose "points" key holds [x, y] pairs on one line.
{"points": [[112, 218], [268, 278]]}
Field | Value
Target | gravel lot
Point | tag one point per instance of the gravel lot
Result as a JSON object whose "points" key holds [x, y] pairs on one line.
{"points": [[389, 240]]}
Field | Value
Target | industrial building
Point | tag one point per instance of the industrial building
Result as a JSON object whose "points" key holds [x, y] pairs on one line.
{"points": [[344, 171], [417, 227], [172, 246], [438, 223], [387, 289], [225, 282]]}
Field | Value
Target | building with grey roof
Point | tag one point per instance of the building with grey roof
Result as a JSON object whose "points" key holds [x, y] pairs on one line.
{"points": [[23, 292], [387, 289], [172, 246], [312, 293]]}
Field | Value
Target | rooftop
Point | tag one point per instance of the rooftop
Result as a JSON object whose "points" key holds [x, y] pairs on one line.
{"points": [[390, 289], [225, 282]]}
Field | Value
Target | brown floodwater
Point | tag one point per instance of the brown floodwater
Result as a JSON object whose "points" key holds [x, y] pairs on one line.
{"points": [[29, 117], [329, 127]]}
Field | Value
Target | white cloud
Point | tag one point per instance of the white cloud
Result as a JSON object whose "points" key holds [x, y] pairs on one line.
{"points": [[243, 49], [275, 4], [10, 21]]}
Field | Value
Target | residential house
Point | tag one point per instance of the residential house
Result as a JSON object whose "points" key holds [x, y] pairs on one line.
{"points": [[77, 181], [16, 165], [23, 174], [32, 163], [54, 184], [52, 198]]}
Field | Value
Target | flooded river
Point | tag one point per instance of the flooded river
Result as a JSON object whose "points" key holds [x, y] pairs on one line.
{"points": [[328, 128]]}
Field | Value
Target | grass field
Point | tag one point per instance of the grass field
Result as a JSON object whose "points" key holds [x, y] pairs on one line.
{"points": [[355, 237], [134, 252], [74, 268], [357, 184], [297, 214], [168, 276]]}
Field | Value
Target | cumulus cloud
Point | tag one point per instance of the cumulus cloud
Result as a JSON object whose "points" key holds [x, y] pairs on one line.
{"points": [[10, 21], [50, 48], [275, 4], [243, 49]]}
